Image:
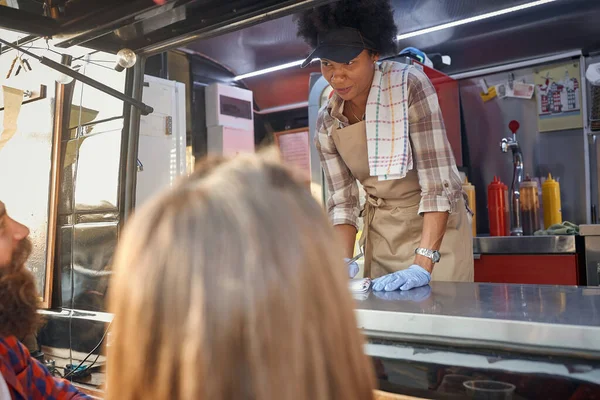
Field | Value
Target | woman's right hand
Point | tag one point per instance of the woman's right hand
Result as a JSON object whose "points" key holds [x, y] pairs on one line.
{"points": [[353, 268], [413, 277]]}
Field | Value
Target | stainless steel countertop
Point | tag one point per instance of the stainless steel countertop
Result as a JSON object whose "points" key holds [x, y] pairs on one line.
{"points": [[535, 318], [524, 245]]}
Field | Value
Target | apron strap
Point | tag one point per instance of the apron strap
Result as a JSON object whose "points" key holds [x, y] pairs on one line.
{"points": [[368, 212]]}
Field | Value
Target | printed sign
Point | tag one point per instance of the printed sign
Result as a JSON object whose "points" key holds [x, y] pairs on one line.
{"points": [[295, 150], [558, 93]]}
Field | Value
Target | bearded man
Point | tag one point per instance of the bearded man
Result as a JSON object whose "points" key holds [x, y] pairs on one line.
{"points": [[21, 376]]}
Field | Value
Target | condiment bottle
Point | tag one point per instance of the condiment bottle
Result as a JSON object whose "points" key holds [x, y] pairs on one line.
{"points": [[498, 208], [470, 191], [530, 206], [551, 200]]}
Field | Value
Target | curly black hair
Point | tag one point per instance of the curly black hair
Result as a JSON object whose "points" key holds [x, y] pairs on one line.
{"points": [[373, 18]]}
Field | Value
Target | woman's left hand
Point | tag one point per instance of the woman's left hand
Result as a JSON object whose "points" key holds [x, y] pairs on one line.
{"points": [[413, 277]]}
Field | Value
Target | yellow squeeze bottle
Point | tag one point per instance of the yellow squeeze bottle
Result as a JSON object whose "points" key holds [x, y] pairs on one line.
{"points": [[551, 201], [470, 191], [357, 248]]}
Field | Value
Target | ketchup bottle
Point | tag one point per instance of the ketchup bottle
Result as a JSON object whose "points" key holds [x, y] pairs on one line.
{"points": [[498, 207]]}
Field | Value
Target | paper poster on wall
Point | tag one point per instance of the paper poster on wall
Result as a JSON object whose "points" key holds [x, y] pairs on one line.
{"points": [[558, 93], [13, 100], [518, 90], [295, 150]]}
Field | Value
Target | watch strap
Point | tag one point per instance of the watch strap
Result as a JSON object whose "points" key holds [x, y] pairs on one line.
{"points": [[433, 255]]}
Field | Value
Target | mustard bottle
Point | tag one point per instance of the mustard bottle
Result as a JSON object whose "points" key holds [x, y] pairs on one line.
{"points": [[551, 201], [470, 191], [357, 248]]}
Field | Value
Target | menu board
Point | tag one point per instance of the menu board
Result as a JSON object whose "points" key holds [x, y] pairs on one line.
{"points": [[295, 150]]}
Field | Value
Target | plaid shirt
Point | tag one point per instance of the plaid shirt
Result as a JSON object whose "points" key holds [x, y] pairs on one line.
{"points": [[28, 379], [441, 187]]}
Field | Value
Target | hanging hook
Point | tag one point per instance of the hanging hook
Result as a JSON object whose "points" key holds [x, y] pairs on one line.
{"points": [[22, 65], [12, 66], [511, 79], [14, 62]]}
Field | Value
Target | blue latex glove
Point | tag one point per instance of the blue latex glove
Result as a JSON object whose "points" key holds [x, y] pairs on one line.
{"points": [[415, 295], [407, 279], [352, 268]]}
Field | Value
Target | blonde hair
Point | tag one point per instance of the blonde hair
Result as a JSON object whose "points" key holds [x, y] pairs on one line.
{"points": [[232, 286]]}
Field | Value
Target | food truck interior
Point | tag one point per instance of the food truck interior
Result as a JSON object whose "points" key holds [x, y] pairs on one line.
{"points": [[115, 99]]}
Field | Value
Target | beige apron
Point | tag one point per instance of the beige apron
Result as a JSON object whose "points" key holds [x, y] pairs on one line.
{"points": [[392, 226]]}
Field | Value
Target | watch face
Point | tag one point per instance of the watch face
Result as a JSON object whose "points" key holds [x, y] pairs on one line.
{"points": [[436, 256]]}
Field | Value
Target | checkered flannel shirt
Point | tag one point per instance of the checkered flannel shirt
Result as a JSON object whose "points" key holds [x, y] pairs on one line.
{"points": [[28, 379], [441, 186]]}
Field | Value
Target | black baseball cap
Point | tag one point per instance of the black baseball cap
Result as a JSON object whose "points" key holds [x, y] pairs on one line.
{"points": [[340, 45]]}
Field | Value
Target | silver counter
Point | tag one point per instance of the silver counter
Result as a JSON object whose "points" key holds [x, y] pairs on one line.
{"points": [[525, 245], [591, 236], [561, 320]]}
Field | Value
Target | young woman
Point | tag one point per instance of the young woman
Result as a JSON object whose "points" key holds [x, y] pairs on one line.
{"points": [[383, 127], [224, 289]]}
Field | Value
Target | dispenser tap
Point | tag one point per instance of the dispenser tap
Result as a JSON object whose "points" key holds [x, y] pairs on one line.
{"points": [[516, 227]]}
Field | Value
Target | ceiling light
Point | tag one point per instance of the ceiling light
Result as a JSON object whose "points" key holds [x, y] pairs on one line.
{"points": [[267, 70], [473, 19], [126, 58]]}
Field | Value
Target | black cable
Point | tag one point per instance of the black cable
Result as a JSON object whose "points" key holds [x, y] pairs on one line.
{"points": [[55, 372], [90, 354], [72, 256], [87, 54], [46, 48], [31, 46], [73, 370], [92, 364], [72, 305], [99, 65], [93, 62], [71, 316]]}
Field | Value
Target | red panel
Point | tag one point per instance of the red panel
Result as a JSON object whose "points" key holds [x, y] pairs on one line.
{"points": [[291, 86], [527, 269], [285, 87], [447, 91]]}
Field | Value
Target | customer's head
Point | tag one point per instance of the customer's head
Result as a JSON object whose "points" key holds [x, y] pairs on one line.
{"points": [[231, 286], [18, 294]]}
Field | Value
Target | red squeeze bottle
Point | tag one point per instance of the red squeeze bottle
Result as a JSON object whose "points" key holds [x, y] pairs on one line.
{"points": [[498, 207]]}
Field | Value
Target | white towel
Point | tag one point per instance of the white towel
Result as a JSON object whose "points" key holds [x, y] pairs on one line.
{"points": [[388, 143]]}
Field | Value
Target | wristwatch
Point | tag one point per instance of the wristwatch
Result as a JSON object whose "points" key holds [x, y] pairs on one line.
{"points": [[434, 255]]}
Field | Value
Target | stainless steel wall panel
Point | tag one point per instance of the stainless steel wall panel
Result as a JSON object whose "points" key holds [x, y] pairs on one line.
{"points": [[560, 153], [93, 248]]}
